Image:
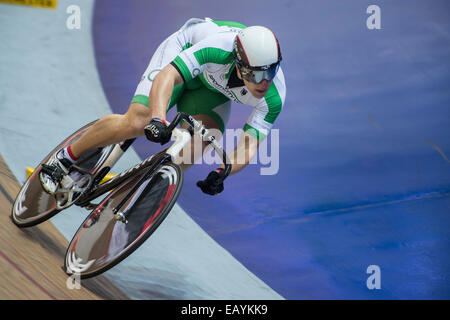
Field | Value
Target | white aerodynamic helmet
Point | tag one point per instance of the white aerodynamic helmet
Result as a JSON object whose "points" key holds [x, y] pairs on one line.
{"points": [[257, 53]]}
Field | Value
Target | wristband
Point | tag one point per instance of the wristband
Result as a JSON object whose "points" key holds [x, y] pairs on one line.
{"points": [[220, 170], [160, 120]]}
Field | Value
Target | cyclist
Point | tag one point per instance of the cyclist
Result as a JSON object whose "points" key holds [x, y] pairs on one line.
{"points": [[201, 68]]}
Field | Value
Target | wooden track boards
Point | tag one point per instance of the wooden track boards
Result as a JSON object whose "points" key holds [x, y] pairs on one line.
{"points": [[31, 258]]}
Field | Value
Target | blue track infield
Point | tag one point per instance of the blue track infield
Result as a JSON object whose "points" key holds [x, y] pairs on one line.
{"points": [[364, 149]]}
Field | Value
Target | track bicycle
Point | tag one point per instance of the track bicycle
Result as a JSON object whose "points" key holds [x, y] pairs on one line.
{"points": [[137, 200]]}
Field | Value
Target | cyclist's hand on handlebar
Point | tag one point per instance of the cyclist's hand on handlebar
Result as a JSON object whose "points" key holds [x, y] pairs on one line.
{"points": [[213, 184], [157, 131]]}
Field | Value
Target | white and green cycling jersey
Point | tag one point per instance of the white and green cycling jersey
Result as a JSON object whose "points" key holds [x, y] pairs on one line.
{"points": [[202, 51]]}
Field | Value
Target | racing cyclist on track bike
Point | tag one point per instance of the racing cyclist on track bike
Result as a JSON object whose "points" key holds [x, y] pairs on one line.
{"points": [[201, 68]]}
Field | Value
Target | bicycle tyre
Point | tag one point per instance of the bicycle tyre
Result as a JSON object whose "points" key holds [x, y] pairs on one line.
{"points": [[101, 242], [32, 204]]}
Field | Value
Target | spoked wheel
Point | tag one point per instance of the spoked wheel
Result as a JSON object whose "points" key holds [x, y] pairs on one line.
{"points": [[102, 241], [33, 205]]}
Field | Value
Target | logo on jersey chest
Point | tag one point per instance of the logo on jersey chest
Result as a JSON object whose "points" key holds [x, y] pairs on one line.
{"points": [[221, 88]]}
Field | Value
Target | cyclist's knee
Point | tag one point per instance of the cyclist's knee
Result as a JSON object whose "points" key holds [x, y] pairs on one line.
{"points": [[137, 117]]}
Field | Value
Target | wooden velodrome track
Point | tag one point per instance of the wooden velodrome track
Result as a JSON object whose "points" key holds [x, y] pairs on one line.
{"points": [[31, 258]]}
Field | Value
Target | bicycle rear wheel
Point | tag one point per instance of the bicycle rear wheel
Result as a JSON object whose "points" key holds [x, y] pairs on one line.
{"points": [[33, 205], [102, 241]]}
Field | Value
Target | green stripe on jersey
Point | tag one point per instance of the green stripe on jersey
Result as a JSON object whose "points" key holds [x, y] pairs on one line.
{"points": [[274, 103], [254, 132], [230, 24], [140, 98], [213, 55], [183, 68]]}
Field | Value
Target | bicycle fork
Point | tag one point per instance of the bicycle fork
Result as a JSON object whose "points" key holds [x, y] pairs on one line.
{"points": [[121, 216], [182, 137]]}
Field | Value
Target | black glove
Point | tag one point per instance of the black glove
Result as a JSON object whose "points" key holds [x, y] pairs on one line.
{"points": [[213, 183], [157, 131]]}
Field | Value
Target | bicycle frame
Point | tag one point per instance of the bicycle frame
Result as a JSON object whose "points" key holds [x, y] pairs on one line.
{"points": [[111, 156]]}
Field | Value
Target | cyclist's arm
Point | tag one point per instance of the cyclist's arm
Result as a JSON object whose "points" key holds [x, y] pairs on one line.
{"points": [[245, 150], [258, 127], [161, 91]]}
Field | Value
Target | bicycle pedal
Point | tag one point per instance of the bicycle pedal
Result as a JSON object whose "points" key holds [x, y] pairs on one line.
{"points": [[71, 190]]}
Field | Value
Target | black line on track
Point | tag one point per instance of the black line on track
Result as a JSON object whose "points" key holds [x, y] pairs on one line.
{"points": [[2, 190]]}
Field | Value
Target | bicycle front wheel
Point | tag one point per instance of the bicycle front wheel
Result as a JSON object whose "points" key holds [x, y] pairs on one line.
{"points": [[102, 241]]}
